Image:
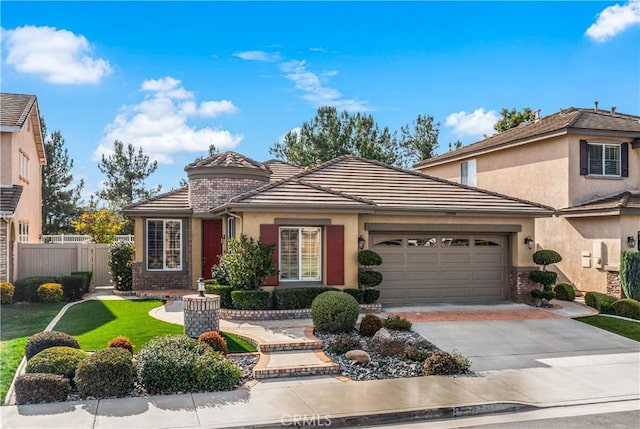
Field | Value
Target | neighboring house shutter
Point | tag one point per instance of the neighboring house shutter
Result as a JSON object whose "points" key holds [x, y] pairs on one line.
{"points": [[335, 255], [269, 235], [624, 158], [584, 158]]}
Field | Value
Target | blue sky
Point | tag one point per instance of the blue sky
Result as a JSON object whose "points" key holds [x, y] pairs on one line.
{"points": [[174, 77]]}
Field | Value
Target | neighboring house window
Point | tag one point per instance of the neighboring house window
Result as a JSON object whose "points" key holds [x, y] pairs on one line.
{"points": [[468, 172], [23, 232], [164, 244], [300, 250], [602, 159], [23, 161], [231, 228]]}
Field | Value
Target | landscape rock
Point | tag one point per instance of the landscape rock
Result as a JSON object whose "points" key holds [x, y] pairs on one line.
{"points": [[359, 356]]}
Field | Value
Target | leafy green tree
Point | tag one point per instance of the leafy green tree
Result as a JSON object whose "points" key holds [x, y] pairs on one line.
{"points": [[102, 225], [248, 262], [455, 145], [512, 118], [60, 197], [418, 141]]}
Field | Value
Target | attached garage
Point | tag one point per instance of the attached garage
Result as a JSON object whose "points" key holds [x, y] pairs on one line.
{"points": [[442, 267]]}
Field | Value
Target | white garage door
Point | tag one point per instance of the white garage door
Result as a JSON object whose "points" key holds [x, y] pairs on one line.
{"points": [[427, 268]]}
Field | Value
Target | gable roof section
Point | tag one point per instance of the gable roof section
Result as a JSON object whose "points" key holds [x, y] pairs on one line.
{"points": [[622, 203], [281, 170], [378, 187], [9, 199], [175, 202], [568, 121], [227, 159], [15, 111]]}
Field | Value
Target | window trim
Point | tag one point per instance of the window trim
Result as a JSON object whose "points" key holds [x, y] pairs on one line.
{"points": [[23, 232], [231, 228], [299, 256], [470, 168], [603, 146], [164, 250]]}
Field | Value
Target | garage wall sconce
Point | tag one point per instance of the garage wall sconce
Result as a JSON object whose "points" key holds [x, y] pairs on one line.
{"points": [[361, 242], [631, 241], [528, 240]]}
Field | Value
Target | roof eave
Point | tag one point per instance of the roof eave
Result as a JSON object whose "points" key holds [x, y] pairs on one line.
{"points": [[325, 208], [458, 212], [599, 212], [157, 213]]}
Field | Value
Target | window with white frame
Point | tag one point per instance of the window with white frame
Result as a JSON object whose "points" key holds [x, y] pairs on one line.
{"points": [[300, 253], [23, 232], [231, 228], [164, 244], [468, 172], [23, 165], [604, 159]]}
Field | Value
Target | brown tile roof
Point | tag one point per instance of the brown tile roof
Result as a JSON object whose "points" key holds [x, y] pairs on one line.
{"points": [[172, 202], [281, 170], [227, 159], [9, 198], [15, 109], [622, 203], [382, 187], [569, 120]]}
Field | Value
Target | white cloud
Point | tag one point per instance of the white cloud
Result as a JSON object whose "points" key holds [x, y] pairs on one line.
{"points": [[315, 91], [258, 56], [614, 20], [476, 123], [60, 56], [158, 124]]}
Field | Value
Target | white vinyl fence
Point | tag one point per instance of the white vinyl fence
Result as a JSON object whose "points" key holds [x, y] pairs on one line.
{"points": [[47, 259], [69, 238]]}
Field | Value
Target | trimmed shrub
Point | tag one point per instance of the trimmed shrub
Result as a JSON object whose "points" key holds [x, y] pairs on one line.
{"points": [[6, 292], [105, 374], [398, 323], [630, 274], [546, 257], [565, 292], [27, 289], [121, 264], [371, 296], [214, 372], [369, 258], [370, 324], [73, 287], [86, 279], [343, 343], [334, 312], [214, 340], [44, 340], [40, 388], [251, 299], [57, 360], [370, 278], [358, 294], [247, 262], [627, 307], [600, 301], [219, 276], [50, 292], [440, 363], [166, 364], [546, 293], [121, 342], [222, 290], [545, 278], [299, 297]]}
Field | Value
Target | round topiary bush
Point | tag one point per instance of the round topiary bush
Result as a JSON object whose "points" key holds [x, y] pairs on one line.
{"points": [[627, 307], [214, 372], [59, 360], [371, 296], [370, 278], [545, 278], [39, 388], [334, 312], [122, 342], [44, 340], [369, 258], [50, 292], [546, 257], [565, 292], [215, 341], [440, 363], [6, 292], [370, 324], [105, 374]]}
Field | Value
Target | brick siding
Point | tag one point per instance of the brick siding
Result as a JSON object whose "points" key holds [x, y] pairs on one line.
{"points": [[206, 193], [521, 287], [614, 285], [3, 252]]}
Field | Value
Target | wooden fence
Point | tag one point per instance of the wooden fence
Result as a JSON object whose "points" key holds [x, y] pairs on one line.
{"points": [[63, 259]]}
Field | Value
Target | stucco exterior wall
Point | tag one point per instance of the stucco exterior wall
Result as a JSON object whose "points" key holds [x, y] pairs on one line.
{"points": [[6, 159]]}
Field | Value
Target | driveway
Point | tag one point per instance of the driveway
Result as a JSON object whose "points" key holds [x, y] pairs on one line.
{"points": [[527, 342]]}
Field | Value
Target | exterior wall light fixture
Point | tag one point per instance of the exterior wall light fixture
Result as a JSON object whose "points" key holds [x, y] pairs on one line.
{"points": [[631, 241], [528, 240], [361, 241]]}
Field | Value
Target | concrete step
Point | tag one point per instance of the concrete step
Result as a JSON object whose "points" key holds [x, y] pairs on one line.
{"points": [[294, 363], [290, 346]]}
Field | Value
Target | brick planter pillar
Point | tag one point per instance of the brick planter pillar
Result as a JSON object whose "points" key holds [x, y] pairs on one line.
{"points": [[201, 314]]}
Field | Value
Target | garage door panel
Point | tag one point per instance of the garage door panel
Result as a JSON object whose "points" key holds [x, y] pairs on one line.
{"points": [[455, 258], [456, 276], [422, 258], [451, 293], [390, 259], [488, 258], [388, 277], [418, 293], [494, 276]]}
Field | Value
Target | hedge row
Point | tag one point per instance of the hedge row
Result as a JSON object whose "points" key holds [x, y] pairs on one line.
{"points": [[73, 286], [607, 304]]}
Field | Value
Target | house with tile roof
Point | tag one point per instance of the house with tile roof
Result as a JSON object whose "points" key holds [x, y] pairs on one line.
{"points": [[22, 156], [440, 241], [585, 163]]}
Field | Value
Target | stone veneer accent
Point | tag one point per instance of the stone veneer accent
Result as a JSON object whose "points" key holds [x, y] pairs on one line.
{"points": [[302, 313], [521, 287], [614, 285], [3, 252], [208, 192], [201, 314]]}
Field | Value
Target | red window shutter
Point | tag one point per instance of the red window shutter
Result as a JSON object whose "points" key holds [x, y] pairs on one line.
{"points": [[624, 158], [269, 235], [335, 255], [584, 158]]}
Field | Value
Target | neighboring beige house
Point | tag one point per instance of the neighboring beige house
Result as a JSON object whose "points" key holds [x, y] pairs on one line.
{"points": [[440, 241], [22, 156], [585, 163]]}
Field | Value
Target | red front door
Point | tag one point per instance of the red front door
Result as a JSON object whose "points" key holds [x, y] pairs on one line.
{"points": [[211, 245]]}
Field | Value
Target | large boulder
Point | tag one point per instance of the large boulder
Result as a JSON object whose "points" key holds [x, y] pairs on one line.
{"points": [[359, 356]]}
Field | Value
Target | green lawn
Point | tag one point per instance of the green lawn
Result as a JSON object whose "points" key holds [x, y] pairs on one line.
{"points": [[18, 322], [622, 327]]}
